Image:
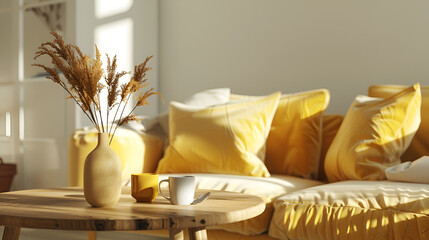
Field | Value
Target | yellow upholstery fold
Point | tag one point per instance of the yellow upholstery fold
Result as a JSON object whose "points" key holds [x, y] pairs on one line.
{"points": [[371, 210], [420, 144], [373, 135], [330, 126]]}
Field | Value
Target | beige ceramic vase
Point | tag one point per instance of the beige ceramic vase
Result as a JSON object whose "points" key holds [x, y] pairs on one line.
{"points": [[102, 174]]}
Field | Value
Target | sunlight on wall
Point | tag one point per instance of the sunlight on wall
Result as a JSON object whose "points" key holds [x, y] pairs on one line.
{"points": [[106, 8], [126, 28], [116, 38]]}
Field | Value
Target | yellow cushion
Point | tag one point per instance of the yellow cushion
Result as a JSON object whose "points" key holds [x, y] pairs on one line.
{"points": [[331, 124], [219, 139], [374, 134], [420, 144], [294, 143], [138, 152], [353, 210]]}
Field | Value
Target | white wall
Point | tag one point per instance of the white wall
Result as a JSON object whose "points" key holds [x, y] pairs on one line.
{"points": [[126, 28], [261, 46]]}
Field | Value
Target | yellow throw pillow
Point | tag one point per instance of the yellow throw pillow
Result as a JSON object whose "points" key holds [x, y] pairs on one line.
{"points": [[331, 124], [420, 144], [219, 139], [374, 134], [294, 143]]}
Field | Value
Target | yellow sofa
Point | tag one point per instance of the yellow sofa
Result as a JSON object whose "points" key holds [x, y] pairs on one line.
{"points": [[131, 145], [308, 202]]}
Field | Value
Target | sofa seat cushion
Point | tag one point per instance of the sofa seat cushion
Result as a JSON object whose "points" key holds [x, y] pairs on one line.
{"points": [[354, 210], [268, 188]]}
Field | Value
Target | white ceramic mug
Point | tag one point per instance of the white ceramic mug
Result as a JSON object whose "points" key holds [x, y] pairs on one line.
{"points": [[181, 188]]}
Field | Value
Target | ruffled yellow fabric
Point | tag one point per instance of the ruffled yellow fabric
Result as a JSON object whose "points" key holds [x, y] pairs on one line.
{"points": [[373, 135], [372, 210], [420, 144]]}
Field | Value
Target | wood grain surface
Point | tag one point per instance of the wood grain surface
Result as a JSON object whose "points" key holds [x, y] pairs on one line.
{"points": [[66, 209]]}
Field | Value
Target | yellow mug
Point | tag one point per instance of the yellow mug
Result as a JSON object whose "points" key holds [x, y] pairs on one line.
{"points": [[144, 186]]}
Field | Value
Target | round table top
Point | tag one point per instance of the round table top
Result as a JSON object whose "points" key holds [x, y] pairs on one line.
{"points": [[67, 209]]}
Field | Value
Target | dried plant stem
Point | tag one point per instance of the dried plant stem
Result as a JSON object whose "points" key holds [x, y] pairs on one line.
{"points": [[95, 116], [114, 117], [73, 97], [120, 117], [83, 75], [86, 104], [107, 119], [101, 117], [94, 120]]}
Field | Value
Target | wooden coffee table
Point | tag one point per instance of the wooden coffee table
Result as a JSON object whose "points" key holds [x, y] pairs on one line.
{"points": [[67, 209]]}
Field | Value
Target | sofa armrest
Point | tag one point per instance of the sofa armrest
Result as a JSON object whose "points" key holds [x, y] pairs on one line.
{"points": [[139, 152]]}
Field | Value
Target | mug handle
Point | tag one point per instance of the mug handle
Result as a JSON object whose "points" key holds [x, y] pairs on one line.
{"points": [[160, 191]]}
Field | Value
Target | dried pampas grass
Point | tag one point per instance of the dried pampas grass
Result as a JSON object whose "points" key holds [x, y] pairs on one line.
{"points": [[83, 83]]}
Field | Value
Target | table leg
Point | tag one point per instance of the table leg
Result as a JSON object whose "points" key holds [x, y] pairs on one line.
{"points": [[199, 233], [92, 235], [11, 233], [176, 234]]}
